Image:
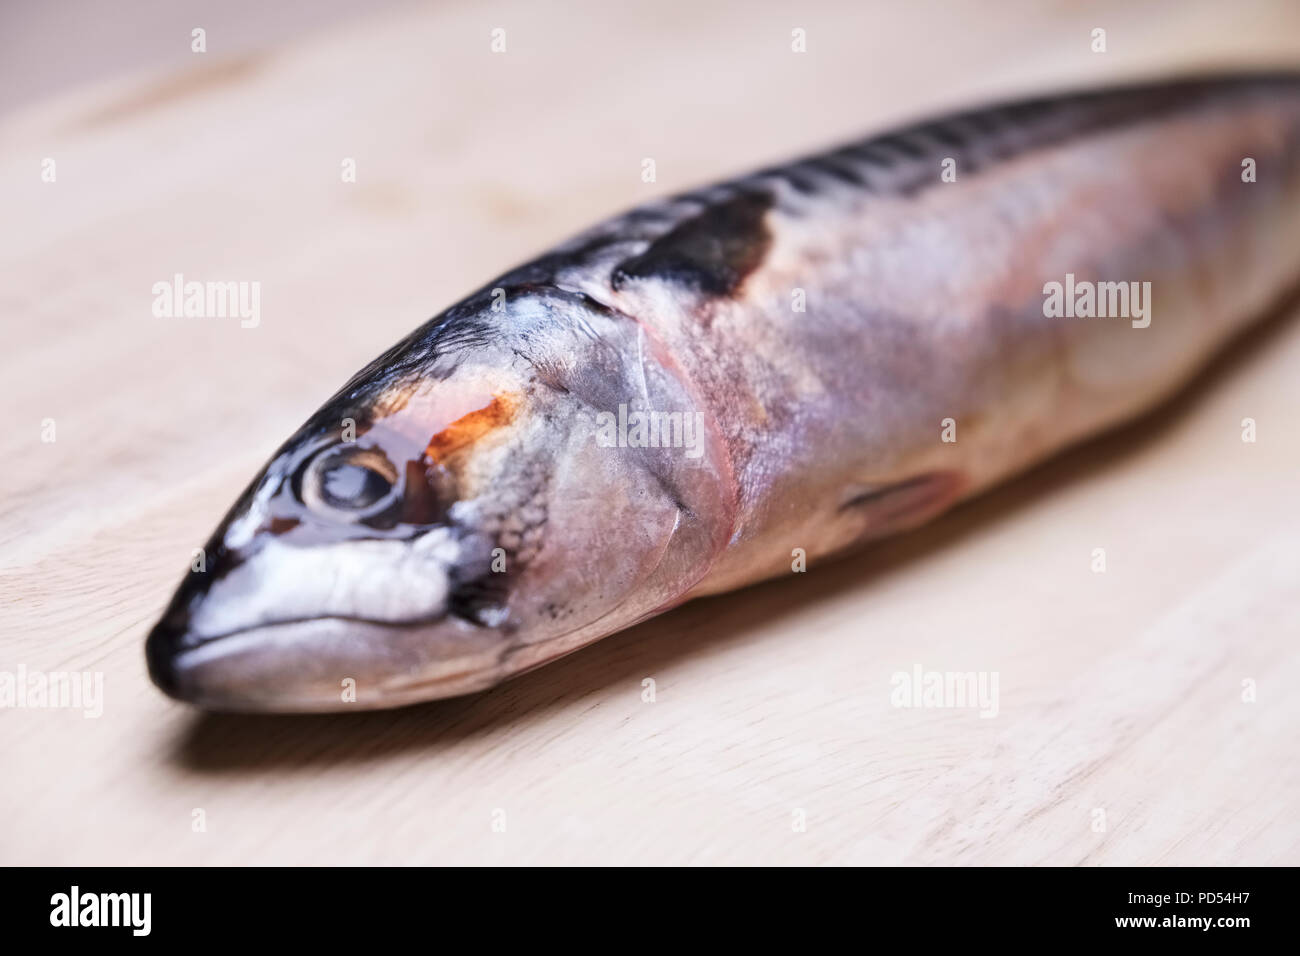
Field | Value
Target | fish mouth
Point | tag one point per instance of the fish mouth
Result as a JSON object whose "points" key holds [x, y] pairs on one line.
{"points": [[325, 664]]}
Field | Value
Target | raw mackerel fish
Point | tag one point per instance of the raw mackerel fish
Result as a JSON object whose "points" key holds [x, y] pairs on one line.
{"points": [[812, 356]]}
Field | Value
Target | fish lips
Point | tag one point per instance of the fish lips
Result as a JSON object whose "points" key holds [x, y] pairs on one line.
{"points": [[324, 664]]}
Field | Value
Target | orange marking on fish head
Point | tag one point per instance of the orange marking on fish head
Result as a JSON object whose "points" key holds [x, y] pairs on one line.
{"points": [[469, 428]]}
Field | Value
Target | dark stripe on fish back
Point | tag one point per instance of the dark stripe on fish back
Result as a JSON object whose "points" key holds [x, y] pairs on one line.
{"points": [[709, 239], [902, 162], [711, 252]]}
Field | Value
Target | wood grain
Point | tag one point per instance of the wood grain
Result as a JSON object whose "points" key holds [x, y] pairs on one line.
{"points": [[1120, 692]]}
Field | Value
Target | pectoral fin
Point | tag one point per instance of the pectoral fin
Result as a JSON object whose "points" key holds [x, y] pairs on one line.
{"points": [[887, 508]]}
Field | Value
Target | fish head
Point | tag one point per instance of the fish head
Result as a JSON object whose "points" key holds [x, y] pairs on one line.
{"points": [[450, 518]]}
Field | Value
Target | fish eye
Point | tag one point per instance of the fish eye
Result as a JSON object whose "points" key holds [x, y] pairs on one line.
{"points": [[350, 481]]}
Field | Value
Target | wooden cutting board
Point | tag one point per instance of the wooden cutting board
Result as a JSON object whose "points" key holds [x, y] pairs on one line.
{"points": [[1121, 734]]}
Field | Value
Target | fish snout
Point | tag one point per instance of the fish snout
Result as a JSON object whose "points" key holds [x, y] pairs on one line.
{"points": [[173, 635], [161, 649], [235, 638], [323, 664]]}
